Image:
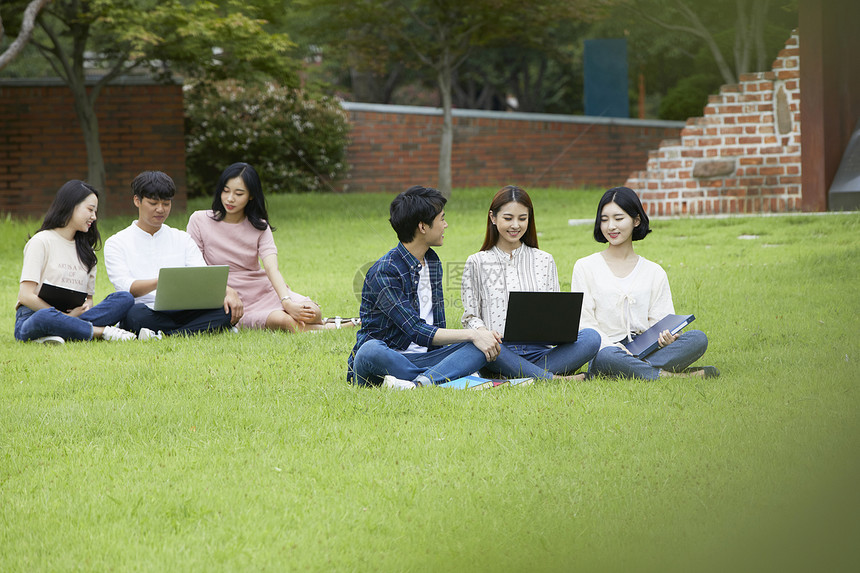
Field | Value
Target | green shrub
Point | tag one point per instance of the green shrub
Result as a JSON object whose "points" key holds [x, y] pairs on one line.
{"points": [[689, 97], [295, 140]]}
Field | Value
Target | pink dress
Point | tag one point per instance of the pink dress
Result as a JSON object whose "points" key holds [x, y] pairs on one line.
{"points": [[241, 247]]}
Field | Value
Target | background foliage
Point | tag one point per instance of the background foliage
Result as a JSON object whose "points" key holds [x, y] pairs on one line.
{"points": [[298, 139]]}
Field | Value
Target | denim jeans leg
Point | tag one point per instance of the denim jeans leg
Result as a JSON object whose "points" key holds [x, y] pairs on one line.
{"points": [[449, 362], [537, 361], [30, 325], [197, 321], [615, 362], [510, 363], [111, 310], [374, 360], [567, 358], [177, 321], [689, 347]]}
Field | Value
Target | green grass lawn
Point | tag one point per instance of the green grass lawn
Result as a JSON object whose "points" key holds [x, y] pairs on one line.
{"points": [[250, 452]]}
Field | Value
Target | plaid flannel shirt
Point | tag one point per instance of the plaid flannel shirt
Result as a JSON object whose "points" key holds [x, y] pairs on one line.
{"points": [[390, 309]]}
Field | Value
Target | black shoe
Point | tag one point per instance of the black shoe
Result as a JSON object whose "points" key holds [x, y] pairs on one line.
{"points": [[707, 371]]}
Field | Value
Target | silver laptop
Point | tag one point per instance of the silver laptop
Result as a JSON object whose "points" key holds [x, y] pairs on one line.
{"points": [[191, 288], [543, 317]]}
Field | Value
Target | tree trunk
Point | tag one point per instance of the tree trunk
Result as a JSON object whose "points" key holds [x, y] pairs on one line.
{"points": [[89, 122], [446, 142], [702, 31]]}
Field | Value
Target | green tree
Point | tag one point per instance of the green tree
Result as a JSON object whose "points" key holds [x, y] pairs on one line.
{"points": [[744, 22], [28, 22], [108, 38], [543, 72], [437, 36]]}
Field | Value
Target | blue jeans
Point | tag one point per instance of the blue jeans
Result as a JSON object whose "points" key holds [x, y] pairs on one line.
{"points": [[30, 324], [375, 359], [176, 321], [540, 361], [613, 361]]}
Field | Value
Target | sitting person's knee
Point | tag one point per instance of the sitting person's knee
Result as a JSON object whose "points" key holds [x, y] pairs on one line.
{"points": [[698, 338], [590, 337]]}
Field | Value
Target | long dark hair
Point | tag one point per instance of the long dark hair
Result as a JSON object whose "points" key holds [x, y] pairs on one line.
{"points": [[255, 210], [70, 195], [508, 194]]}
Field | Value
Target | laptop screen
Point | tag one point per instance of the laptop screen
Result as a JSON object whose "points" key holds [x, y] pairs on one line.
{"points": [[543, 317]]}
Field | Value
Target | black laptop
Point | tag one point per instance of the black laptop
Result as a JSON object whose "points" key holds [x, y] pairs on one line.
{"points": [[543, 317]]}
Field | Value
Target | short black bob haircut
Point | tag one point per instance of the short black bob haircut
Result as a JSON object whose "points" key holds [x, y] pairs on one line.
{"points": [[629, 202], [415, 205], [153, 185]]}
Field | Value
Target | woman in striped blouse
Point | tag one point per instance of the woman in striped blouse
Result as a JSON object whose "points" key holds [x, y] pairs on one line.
{"points": [[509, 260]]}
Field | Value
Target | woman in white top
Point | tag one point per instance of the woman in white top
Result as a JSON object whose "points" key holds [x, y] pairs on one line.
{"points": [[625, 294], [509, 260], [62, 254]]}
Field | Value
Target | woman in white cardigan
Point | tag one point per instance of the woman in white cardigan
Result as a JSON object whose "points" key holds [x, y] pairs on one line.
{"points": [[625, 294], [509, 260]]}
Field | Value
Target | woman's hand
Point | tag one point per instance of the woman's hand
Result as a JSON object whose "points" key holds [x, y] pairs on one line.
{"points": [[304, 311], [666, 338], [79, 310]]}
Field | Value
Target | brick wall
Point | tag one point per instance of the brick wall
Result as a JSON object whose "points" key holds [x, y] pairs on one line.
{"points": [[393, 147], [41, 145], [742, 156]]}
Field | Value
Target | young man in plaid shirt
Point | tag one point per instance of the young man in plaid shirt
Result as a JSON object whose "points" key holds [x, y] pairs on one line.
{"points": [[403, 342]]}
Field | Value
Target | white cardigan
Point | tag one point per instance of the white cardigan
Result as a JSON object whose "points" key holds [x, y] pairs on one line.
{"points": [[619, 307]]}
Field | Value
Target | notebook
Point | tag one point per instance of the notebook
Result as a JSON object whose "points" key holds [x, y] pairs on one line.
{"points": [[542, 317], [191, 288], [473, 382], [61, 298], [647, 342]]}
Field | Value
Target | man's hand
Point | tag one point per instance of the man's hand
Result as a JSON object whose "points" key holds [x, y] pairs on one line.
{"points": [[233, 303], [487, 341]]}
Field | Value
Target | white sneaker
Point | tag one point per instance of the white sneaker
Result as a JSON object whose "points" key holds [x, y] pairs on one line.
{"points": [[397, 384], [49, 340], [148, 334], [113, 334]]}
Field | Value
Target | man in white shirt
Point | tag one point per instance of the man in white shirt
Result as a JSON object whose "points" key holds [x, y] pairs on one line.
{"points": [[134, 256]]}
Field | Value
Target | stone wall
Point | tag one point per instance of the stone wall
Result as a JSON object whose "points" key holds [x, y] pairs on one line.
{"points": [[743, 156]]}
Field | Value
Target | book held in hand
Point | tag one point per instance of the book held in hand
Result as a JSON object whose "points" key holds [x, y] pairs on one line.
{"points": [[647, 342], [61, 298]]}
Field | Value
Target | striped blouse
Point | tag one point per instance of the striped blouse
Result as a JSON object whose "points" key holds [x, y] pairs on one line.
{"points": [[490, 275]]}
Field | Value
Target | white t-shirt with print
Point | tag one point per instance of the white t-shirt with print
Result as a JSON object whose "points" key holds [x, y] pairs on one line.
{"points": [[51, 258]]}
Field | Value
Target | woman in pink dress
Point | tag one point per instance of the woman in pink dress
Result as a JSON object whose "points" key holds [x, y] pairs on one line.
{"points": [[236, 233]]}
